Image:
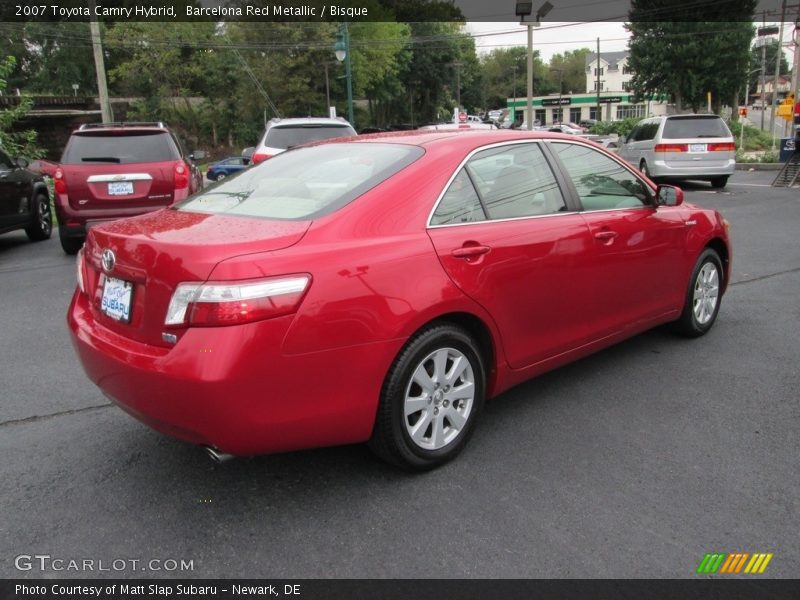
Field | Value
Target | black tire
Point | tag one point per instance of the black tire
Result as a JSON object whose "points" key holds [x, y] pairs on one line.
{"points": [[719, 182], [391, 439], [41, 226], [220, 176], [644, 170], [690, 324], [71, 245]]}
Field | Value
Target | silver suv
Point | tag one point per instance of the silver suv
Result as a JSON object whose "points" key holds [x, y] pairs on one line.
{"points": [[282, 134], [679, 147]]}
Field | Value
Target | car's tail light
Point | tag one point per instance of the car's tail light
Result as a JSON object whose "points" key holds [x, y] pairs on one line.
{"points": [[234, 303], [181, 176], [671, 148], [722, 147], [79, 269], [260, 157], [60, 184]]}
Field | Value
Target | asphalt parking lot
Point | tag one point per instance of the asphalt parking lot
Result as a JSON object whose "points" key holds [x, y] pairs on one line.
{"points": [[634, 462]]}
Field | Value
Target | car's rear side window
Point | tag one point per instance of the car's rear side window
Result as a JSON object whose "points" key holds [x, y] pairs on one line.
{"points": [[287, 136], [695, 127], [305, 183], [127, 148]]}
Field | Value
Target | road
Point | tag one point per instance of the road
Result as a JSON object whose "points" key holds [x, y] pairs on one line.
{"points": [[634, 462]]}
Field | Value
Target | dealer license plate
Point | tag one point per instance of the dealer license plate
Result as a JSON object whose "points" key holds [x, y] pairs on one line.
{"points": [[697, 147], [120, 188], [116, 301]]}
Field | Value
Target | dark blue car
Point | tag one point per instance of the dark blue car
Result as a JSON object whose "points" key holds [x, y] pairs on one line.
{"points": [[227, 166]]}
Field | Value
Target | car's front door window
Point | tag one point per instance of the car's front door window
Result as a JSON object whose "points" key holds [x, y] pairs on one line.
{"points": [[601, 182]]}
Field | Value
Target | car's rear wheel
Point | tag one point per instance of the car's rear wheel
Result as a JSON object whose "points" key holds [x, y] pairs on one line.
{"points": [[719, 182], [430, 400], [703, 296], [41, 226], [644, 170], [220, 176], [71, 245]]}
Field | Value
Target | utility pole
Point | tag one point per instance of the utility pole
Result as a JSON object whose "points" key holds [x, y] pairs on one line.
{"points": [[763, 69], [99, 65], [458, 64], [795, 65], [530, 76], [778, 54], [597, 84]]}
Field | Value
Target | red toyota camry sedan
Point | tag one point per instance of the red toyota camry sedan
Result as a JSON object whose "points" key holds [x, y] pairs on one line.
{"points": [[379, 289]]}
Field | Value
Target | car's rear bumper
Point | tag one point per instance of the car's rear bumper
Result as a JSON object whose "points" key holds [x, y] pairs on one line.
{"points": [[232, 388], [76, 222], [665, 170]]}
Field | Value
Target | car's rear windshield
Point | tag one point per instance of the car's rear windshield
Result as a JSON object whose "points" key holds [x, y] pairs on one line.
{"points": [[695, 127], [120, 148], [287, 136], [305, 183]]}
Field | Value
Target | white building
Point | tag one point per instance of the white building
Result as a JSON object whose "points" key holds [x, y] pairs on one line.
{"points": [[614, 73], [614, 102]]}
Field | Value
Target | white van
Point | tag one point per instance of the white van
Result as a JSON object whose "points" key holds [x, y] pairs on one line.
{"points": [[681, 147]]}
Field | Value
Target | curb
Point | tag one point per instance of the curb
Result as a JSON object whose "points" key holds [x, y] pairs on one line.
{"points": [[759, 166]]}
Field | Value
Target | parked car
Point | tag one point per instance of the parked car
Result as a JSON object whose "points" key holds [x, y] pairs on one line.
{"points": [[227, 166], [282, 134], [563, 128], [114, 170], [379, 289], [24, 200], [681, 147], [588, 123]]}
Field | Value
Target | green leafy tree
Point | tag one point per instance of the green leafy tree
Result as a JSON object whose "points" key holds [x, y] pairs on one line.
{"points": [[573, 67], [686, 52], [16, 141]]}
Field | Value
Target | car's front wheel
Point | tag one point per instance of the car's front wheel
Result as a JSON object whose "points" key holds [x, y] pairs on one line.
{"points": [[703, 296], [430, 400], [42, 219]]}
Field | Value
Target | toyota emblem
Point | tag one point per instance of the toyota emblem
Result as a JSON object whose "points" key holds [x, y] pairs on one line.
{"points": [[109, 260]]}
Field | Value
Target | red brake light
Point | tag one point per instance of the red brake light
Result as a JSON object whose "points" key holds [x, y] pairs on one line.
{"points": [[181, 176], [260, 157], [723, 147], [234, 303], [60, 184], [672, 148]]}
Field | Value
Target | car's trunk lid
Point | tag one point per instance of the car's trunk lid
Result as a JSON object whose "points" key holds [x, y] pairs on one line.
{"points": [[155, 252]]}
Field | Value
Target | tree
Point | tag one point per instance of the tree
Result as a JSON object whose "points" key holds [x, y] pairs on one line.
{"points": [[573, 65], [687, 52], [12, 140], [505, 75]]}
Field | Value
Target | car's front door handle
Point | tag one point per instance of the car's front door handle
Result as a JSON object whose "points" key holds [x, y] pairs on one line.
{"points": [[470, 251], [605, 236]]}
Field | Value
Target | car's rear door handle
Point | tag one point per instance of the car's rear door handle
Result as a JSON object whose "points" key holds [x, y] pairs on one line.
{"points": [[470, 251], [605, 236]]}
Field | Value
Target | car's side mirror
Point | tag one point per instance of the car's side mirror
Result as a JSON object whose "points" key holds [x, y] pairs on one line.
{"points": [[22, 162], [248, 152], [669, 195], [197, 155]]}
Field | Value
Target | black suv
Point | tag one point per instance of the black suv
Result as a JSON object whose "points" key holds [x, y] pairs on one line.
{"points": [[24, 201]]}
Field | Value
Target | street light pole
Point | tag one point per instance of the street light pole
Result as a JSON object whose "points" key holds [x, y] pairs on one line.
{"points": [[524, 8], [342, 49]]}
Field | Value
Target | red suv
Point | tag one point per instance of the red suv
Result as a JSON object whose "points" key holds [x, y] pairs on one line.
{"points": [[114, 170]]}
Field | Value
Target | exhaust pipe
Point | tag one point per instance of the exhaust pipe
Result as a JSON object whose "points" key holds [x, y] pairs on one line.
{"points": [[217, 456]]}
